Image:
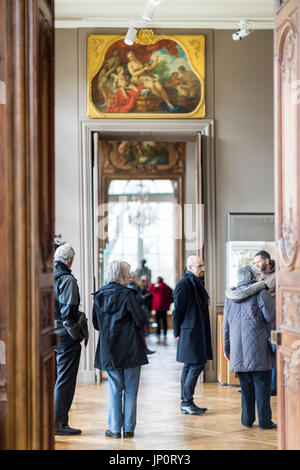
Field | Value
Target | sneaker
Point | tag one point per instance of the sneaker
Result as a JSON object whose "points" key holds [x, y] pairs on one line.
{"points": [[65, 430]]}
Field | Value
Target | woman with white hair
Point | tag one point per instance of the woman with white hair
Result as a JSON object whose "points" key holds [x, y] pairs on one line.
{"points": [[118, 317], [248, 317]]}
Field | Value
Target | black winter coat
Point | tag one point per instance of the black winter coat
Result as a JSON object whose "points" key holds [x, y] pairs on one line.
{"points": [[191, 320], [118, 317], [67, 297]]}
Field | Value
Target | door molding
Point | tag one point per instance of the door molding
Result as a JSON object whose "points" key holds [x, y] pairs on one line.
{"points": [[27, 225], [287, 218], [176, 130]]}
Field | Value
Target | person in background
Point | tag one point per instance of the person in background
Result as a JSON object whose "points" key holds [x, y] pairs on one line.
{"points": [[249, 311], [266, 267], [146, 299], [191, 326], [161, 303], [118, 317], [72, 326], [134, 285], [144, 270]]}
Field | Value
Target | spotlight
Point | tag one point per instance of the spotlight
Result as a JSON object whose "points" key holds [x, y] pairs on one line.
{"points": [[243, 31], [130, 36], [150, 8]]}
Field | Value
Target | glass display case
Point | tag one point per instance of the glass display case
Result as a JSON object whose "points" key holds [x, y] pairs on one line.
{"points": [[247, 233], [242, 253]]}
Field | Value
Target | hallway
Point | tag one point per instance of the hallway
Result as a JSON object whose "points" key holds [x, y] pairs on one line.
{"points": [[160, 425]]}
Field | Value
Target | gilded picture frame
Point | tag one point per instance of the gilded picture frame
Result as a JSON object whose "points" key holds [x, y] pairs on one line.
{"points": [[145, 157], [159, 76]]}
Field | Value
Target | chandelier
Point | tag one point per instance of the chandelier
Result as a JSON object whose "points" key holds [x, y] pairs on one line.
{"points": [[141, 212]]}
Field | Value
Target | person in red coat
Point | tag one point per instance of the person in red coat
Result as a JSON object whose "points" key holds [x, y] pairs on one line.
{"points": [[161, 303]]}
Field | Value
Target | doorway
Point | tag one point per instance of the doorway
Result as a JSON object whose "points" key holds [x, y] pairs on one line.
{"points": [[138, 200], [196, 186]]}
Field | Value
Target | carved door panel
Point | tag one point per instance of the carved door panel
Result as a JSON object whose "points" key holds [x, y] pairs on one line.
{"points": [[27, 223], [287, 200]]}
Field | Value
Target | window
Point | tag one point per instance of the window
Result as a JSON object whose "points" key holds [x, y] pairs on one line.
{"points": [[141, 225]]}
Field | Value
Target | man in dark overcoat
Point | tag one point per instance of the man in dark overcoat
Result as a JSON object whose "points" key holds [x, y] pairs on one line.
{"points": [[191, 326], [72, 326]]}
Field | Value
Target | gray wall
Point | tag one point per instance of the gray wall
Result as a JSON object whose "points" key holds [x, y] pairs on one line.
{"points": [[244, 131], [66, 141]]}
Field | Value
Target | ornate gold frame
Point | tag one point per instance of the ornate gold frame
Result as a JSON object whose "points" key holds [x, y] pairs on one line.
{"points": [[175, 166], [192, 45]]}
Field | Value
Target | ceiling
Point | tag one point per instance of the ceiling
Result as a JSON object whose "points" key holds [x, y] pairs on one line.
{"points": [[216, 14]]}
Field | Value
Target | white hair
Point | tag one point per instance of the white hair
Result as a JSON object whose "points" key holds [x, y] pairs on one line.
{"points": [[117, 272], [246, 273], [64, 253]]}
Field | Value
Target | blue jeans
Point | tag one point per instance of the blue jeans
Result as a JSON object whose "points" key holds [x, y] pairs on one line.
{"points": [[189, 377], [123, 389], [256, 387]]}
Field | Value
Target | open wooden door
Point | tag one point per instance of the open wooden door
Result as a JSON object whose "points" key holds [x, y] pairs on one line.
{"points": [[26, 224], [287, 210]]}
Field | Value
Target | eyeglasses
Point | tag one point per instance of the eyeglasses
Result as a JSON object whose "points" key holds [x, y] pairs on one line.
{"points": [[199, 266]]}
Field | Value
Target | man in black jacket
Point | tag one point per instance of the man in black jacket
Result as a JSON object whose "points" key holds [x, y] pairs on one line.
{"points": [[192, 328], [72, 326]]}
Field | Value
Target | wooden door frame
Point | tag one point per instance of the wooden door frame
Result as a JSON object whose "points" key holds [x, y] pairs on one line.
{"points": [[27, 225], [287, 230]]}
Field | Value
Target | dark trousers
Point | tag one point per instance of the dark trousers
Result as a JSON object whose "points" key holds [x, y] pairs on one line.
{"points": [[67, 356], [255, 387], [274, 381], [161, 316], [189, 377]]}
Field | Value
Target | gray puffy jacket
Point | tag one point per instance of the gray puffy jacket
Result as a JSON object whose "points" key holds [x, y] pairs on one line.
{"points": [[249, 315]]}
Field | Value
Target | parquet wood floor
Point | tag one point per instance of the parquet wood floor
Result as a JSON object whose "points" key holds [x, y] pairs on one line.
{"points": [[160, 425]]}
